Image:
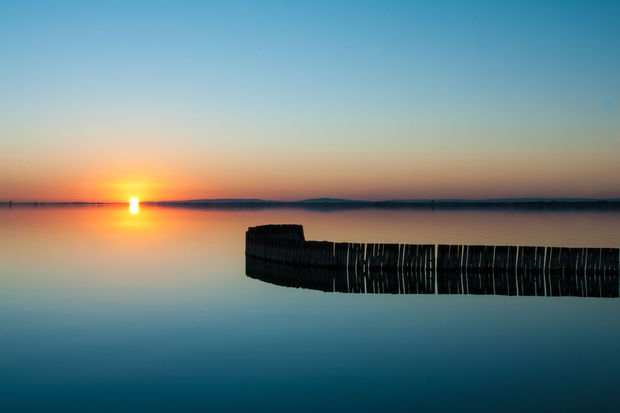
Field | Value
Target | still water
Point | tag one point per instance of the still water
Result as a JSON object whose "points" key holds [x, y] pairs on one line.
{"points": [[107, 309]]}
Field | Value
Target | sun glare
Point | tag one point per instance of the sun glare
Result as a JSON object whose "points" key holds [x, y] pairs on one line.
{"points": [[133, 205]]}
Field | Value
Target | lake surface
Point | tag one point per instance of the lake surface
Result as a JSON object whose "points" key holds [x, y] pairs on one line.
{"points": [[105, 310]]}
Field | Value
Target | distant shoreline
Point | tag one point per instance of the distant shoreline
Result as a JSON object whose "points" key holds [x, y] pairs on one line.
{"points": [[336, 204]]}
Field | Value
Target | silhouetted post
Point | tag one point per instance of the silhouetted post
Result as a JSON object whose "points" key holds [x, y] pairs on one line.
{"points": [[410, 268]]}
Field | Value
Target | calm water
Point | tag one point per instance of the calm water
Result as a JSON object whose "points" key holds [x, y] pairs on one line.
{"points": [[101, 309]]}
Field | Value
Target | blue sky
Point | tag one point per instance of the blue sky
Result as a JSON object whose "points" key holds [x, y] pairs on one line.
{"points": [[294, 99]]}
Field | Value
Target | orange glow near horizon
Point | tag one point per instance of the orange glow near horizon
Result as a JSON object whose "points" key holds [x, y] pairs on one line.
{"points": [[129, 189], [293, 177]]}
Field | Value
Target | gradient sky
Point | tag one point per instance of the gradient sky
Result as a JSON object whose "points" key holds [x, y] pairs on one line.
{"points": [[290, 99]]}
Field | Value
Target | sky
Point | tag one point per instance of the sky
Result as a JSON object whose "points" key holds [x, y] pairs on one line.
{"points": [[164, 100]]}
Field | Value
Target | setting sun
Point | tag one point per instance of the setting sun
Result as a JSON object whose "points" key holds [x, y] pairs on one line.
{"points": [[133, 205]]}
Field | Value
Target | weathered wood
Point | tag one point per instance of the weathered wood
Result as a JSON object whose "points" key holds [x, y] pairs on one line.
{"points": [[459, 269]]}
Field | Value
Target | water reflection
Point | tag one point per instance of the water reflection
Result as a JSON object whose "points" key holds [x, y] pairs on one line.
{"points": [[432, 282], [106, 309]]}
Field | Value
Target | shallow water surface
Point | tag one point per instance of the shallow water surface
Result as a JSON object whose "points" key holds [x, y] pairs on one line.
{"points": [[105, 309]]}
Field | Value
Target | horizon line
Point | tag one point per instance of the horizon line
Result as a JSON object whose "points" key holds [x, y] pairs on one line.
{"points": [[328, 200]]}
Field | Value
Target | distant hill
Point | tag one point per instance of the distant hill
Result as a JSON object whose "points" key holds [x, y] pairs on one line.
{"points": [[437, 202], [329, 201]]}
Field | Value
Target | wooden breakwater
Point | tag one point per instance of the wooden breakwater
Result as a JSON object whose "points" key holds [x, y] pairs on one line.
{"points": [[281, 255]]}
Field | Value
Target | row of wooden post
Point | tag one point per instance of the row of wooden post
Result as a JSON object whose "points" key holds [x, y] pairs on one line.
{"points": [[286, 244]]}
